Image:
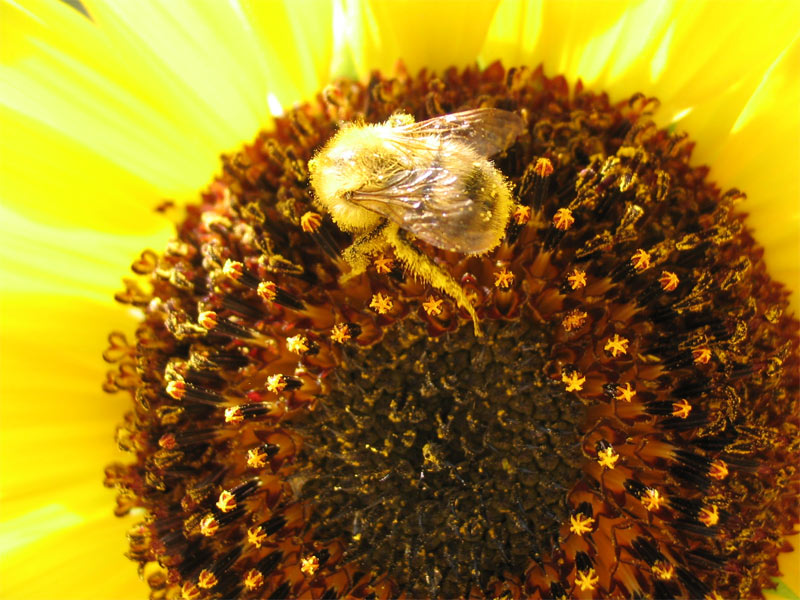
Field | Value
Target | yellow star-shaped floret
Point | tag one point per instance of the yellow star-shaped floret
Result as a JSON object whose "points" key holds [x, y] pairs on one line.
{"points": [[663, 570], [297, 344], [681, 409], [381, 304], [669, 281], [253, 580], [577, 279], [641, 260], [233, 269], [276, 383], [206, 579], [383, 265], [652, 499], [256, 458], [522, 214], [176, 389], [563, 219], [340, 333], [233, 414], [616, 345], [626, 394], [719, 470], [709, 515], [256, 536], [226, 502], [267, 290], [713, 596], [433, 306], [309, 565], [208, 319], [209, 525], [701, 355], [189, 591], [574, 381], [310, 222], [580, 524], [608, 458], [504, 278], [574, 319], [587, 580], [543, 167]]}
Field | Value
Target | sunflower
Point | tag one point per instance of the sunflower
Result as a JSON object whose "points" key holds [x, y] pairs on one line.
{"points": [[114, 108]]}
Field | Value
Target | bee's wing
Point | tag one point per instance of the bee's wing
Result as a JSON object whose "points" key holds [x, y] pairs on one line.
{"points": [[486, 130], [432, 205]]}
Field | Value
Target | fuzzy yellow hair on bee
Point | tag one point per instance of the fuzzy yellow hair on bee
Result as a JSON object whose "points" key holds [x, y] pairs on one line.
{"points": [[431, 179]]}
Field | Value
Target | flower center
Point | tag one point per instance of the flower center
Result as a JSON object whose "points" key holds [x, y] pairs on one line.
{"points": [[444, 462], [313, 416]]}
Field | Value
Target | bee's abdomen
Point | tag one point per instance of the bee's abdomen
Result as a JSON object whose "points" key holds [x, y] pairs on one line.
{"points": [[483, 223]]}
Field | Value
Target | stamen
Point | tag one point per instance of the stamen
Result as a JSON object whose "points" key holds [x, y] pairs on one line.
{"points": [[309, 565], [381, 304], [341, 333], [641, 260], [574, 319], [701, 355], [298, 344], [563, 219], [313, 224], [433, 306], [574, 380], [663, 570], [626, 393], [719, 470], [651, 499], [207, 580], [535, 183], [616, 345], [503, 278], [577, 279], [209, 525], [587, 580], [581, 521], [270, 292], [669, 281], [257, 457], [709, 516], [522, 214], [253, 580], [189, 591], [681, 409], [607, 457], [383, 265]]}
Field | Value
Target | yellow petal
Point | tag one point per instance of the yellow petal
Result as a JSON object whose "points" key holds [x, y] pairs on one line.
{"points": [[71, 104], [58, 537], [762, 158], [423, 34]]}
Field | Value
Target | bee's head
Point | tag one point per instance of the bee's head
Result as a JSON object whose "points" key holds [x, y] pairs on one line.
{"points": [[339, 169]]}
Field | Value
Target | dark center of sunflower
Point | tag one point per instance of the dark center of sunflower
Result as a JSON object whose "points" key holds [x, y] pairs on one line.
{"points": [[446, 462]]}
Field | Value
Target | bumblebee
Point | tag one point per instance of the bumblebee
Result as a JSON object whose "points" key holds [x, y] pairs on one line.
{"points": [[391, 182]]}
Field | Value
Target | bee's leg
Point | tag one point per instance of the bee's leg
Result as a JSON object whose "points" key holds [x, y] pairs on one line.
{"points": [[358, 254], [422, 266]]}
